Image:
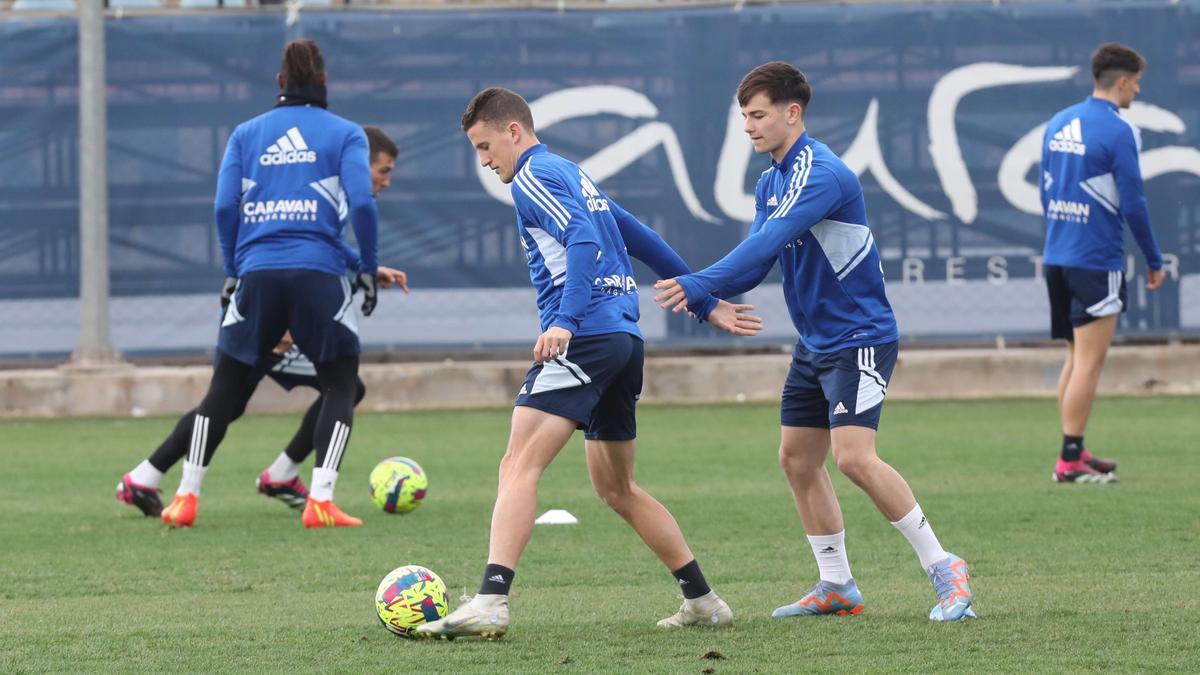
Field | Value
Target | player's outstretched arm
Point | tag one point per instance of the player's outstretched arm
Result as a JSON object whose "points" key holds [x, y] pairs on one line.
{"points": [[646, 245]]}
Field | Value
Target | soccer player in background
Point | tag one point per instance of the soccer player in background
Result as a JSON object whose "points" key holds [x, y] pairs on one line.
{"points": [[811, 217], [288, 366], [588, 361], [278, 222], [1091, 184]]}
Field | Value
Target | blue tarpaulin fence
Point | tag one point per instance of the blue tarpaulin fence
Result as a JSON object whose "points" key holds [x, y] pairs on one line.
{"points": [[936, 106]]}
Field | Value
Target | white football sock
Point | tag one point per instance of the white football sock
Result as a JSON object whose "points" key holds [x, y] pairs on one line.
{"points": [[830, 551], [145, 474], [920, 534], [282, 469], [485, 602], [323, 482], [193, 475]]}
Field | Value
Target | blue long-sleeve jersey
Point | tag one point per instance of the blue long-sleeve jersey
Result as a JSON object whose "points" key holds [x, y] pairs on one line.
{"points": [[577, 243], [810, 215], [1092, 183], [279, 193]]}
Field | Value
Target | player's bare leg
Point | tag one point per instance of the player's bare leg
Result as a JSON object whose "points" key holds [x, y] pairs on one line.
{"points": [[610, 465], [1091, 348], [534, 441], [854, 451], [802, 454], [1077, 392]]}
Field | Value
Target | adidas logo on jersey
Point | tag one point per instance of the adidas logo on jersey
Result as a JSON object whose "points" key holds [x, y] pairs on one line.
{"points": [[772, 201], [840, 409], [1069, 139], [594, 201], [290, 148]]}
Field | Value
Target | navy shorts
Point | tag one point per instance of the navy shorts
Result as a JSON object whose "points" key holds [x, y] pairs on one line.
{"points": [[314, 306], [1079, 296], [842, 388], [596, 382]]}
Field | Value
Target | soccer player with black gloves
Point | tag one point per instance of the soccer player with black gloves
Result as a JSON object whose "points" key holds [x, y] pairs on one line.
{"points": [[1091, 186], [812, 218], [288, 180]]}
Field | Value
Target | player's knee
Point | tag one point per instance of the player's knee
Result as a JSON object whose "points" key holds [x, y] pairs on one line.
{"points": [[796, 465], [618, 495], [854, 465]]}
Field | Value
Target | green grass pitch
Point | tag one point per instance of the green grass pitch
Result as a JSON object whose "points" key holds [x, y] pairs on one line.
{"points": [[1067, 578]]}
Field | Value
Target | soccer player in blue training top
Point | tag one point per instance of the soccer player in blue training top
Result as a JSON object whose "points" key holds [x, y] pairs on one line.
{"points": [[588, 361], [1091, 184], [290, 368], [277, 212], [810, 215]]}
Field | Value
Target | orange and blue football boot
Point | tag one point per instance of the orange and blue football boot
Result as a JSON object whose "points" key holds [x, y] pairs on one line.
{"points": [[951, 583], [825, 598], [182, 511], [326, 514]]}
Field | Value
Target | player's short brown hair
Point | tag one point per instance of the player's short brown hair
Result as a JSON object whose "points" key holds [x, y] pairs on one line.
{"points": [[378, 141], [780, 81], [497, 106], [1112, 60]]}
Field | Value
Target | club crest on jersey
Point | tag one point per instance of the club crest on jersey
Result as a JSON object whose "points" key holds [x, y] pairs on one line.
{"points": [[594, 201], [289, 148]]}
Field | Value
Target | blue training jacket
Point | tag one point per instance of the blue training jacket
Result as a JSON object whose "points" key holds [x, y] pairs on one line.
{"points": [[577, 243], [810, 215], [1091, 184], [288, 179]]}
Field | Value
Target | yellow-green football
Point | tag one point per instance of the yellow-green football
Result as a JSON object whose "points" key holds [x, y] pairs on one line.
{"points": [[408, 597], [398, 485]]}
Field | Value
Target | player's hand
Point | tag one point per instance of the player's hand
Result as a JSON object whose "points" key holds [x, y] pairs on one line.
{"points": [[388, 277], [1155, 278], [285, 344], [366, 283], [551, 344], [672, 297], [227, 288], [734, 319]]}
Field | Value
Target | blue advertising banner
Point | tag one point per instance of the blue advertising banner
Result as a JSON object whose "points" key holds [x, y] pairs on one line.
{"points": [[939, 108]]}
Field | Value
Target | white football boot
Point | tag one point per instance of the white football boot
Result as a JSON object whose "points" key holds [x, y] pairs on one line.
{"points": [[706, 610]]}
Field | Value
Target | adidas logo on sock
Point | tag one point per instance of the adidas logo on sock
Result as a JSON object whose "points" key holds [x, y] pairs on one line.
{"points": [[498, 578], [683, 582], [840, 409], [829, 549], [289, 148], [922, 523], [1069, 139]]}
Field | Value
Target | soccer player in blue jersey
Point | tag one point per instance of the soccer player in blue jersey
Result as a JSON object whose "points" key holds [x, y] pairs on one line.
{"points": [[289, 368], [588, 361], [811, 217], [1091, 186], [279, 216]]}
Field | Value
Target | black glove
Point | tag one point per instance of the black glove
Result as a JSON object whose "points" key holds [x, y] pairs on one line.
{"points": [[370, 290], [227, 288]]}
